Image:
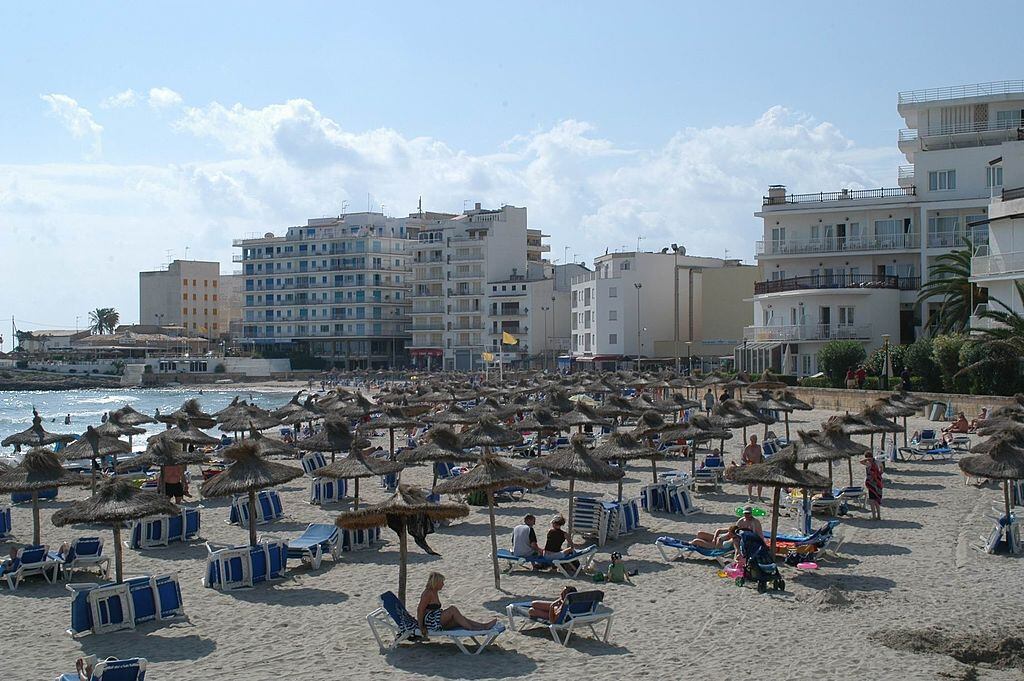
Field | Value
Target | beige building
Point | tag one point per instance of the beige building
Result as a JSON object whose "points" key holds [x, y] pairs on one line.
{"points": [[188, 294]]}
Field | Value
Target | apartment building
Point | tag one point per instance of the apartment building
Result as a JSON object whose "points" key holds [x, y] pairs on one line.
{"points": [[666, 305], [336, 288], [188, 294], [998, 266], [475, 276], [849, 263]]}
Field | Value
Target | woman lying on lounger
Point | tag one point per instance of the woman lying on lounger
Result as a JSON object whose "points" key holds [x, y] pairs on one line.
{"points": [[551, 610], [432, 617], [716, 540]]}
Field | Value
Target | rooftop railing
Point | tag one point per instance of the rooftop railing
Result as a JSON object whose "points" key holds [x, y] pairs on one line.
{"points": [[910, 134], [841, 195], [807, 332], [998, 87]]}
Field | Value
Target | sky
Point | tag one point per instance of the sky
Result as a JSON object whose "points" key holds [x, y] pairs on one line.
{"points": [[132, 133]]}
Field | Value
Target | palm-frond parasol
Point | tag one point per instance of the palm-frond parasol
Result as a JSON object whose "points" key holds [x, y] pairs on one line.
{"points": [[39, 470], [35, 435], [577, 463], [355, 466], [192, 411]]}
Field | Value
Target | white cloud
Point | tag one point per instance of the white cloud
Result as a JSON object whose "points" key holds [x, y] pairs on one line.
{"points": [[279, 164], [77, 119], [163, 97], [122, 100]]}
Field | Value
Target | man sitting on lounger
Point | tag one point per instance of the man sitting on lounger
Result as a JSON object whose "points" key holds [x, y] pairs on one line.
{"points": [[524, 539], [958, 427], [716, 540]]}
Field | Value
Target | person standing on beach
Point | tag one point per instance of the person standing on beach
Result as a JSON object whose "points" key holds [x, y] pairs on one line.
{"points": [[709, 401], [873, 484], [174, 482], [851, 379], [752, 454]]}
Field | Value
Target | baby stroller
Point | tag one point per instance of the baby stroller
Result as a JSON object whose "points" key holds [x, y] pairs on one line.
{"points": [[758, 564]]}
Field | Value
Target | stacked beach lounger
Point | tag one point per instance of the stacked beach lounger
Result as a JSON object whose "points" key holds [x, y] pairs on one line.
{"points": [[102, 608]]}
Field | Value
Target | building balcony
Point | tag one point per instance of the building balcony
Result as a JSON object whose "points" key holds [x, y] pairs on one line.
{"points": [[905, 176], [895, 242], [456, 293], [841, 195], [510, 313], [420, 326], [807, 332], [837, 281], [956, 239], [997, 264], [476, 274], [423, 307], [438, 276], [467, 258], [427, 261], [467, 327], [955, 135]]}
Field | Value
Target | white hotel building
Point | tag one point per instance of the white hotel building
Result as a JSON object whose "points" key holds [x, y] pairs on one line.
{"points": [[849, 263]]}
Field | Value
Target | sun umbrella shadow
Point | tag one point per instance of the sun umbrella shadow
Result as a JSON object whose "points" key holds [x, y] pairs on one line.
{"points": [[177, 552], [865, 549], [471, 530], [916, 486], [289, 596], [155, 648], [37, 587], [922, 472], [500, 663], [887, 524], [909, 503], [845, 582]]}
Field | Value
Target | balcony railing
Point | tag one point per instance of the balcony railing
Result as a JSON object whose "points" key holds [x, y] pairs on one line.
{"points": [[905, 173], [467, 258], [1011, 194], [839, 244], [807, 332], [837, 281], [956, 239], [841, 195], [998, 263], [974, 127], [999, 87]]}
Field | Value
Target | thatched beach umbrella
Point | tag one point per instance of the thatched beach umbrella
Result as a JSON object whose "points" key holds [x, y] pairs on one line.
{"points": [[232, 408], [355, 466], [1003, 460], [440, 444], [767, 381], [454, 416], [161, 453], [893, 409], [266, 446], [248, 417], [390, 419], [115, 502], [35, 435], [624, 447], [793, 402], [39, 470], [186, 434], [115, 428], [577, 463], [334, 437], [248, 473], [732, 414], [866, 422], [408, 505], [192, 411], [130, 417], [92, 445], [489, 475], [780, 472]]}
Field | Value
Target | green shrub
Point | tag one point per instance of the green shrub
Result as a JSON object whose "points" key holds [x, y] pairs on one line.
{"points": [[1000, 376], [946, 353], [815, 382], [836, 357], [219, 369], [920, 359], [872, 383], [875, 363]]}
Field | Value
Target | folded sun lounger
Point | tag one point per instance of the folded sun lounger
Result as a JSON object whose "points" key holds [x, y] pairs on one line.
{"points": [[582, 559], [687, 550], [584, 610], [394, 618]]}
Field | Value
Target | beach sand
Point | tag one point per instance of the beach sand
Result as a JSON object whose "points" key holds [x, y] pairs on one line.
{"points": [[913, 569]]}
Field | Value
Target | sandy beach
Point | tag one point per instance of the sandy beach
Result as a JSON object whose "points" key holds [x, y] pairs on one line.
{"points": [[915, 568]]}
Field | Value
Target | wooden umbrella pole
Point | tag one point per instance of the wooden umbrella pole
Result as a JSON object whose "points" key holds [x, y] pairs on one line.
{"points": [[252, 517], [494, 539], [786, 416], [403, 559], [775, 518], [654, 471], [830, 472], [849, 466], [391, 433], [1006, 501], [355, 499], [35, 518], [572, 499], [118, 555]]}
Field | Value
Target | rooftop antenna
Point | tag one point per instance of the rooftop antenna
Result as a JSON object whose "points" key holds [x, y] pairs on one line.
{"points": [[169, 252], [419, 206], [344, 205], [639, 238], [367, 202], [726, 254], [186, 252]]}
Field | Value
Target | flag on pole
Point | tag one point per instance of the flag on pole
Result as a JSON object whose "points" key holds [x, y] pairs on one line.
{"points": [[508, 339], [487, 356]]}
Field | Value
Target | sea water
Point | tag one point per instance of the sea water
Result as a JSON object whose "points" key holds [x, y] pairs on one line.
{"points": [[86, 407]]}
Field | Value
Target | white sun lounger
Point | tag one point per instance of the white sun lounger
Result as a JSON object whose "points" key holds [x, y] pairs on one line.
{"points": [[393, 618], [584, 610]]}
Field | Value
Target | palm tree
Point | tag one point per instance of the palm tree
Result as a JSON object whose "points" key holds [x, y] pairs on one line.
{"points": [[1003, 338], [949, 278], [103, 319]]}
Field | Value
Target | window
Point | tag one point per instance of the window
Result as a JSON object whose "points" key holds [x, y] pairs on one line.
{"points": [[184, 296], [845, 315], [193, 296], [1006, 120], [613, 338], [613, 291], [184, 311], [994, 176], [941, 180], [805, 361], [193, 282], [206, 282], [942, 231], [215, 295], [215, 283], [625, 264], [613, 315], [184, 282], [206, 296]]}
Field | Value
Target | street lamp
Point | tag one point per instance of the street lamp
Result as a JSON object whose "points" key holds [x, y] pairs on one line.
{"points": [[544, 313], [885, 369], [638, 286], [689, 365]]}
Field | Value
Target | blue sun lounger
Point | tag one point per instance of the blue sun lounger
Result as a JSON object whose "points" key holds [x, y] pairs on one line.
{"points": [[32, 560], [85, 553], [318, 540], [584, 610], [102, 608], [583, 558], [687, 550], [111, 670], [6, 526], [394, 618], [234, 567], [160, 530], [820, 537]]}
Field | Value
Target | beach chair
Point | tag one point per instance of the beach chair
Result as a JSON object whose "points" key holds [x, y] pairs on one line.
{"points": [[356, 540], [855, 495], [237, 567], [268, 508], [392, 618], [32, 560], [924, 453], [445, 470], [686, 550], [6, 526], [111, 670], [1004, 537], [161, 530], [710, 473], [103, 608], [327, 490], [26, 497], [318, 540], [590, 518], [312, 461], [818, 541], [85, 553], [570, 565], [584, 609]]}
